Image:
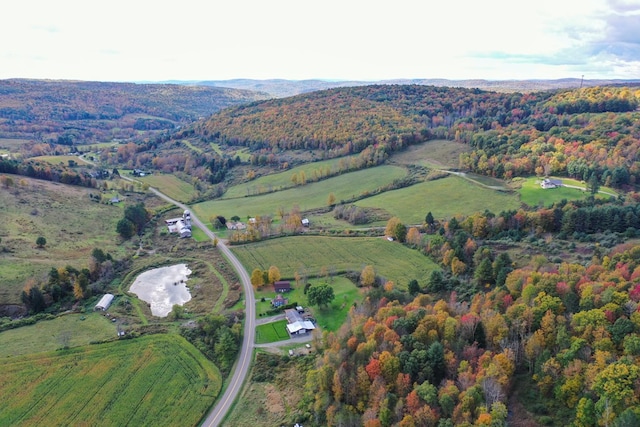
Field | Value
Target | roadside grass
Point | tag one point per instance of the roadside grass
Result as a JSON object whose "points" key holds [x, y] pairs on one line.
{"points": [[391, 260], [272, 332], [438, 154], [306, 197], [533, 195], [64, 215], [282, 180], [170, 185], [158, 380], [444, 198], [72, 330]]}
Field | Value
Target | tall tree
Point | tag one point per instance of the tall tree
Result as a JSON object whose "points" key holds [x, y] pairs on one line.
{"points": [[320, 295]]}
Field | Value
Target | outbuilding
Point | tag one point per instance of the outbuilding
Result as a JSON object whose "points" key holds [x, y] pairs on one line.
{"points": [[104, 302]]}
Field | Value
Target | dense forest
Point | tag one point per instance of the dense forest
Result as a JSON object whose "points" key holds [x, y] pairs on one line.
{"points": [[452, 353]]}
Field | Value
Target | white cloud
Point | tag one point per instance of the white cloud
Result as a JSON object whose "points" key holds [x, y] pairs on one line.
{"points": [[333, 39]]}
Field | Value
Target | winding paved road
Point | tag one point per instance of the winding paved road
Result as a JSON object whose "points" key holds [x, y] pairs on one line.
{"points": [[244, 362]]}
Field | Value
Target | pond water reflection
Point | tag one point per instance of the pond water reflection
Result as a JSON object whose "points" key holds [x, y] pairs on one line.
{"points": [[162, 288]]}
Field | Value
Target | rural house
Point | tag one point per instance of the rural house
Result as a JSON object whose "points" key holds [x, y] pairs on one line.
{"points": [[282, 286], [551, 183], [279, 301], [296, 324]]}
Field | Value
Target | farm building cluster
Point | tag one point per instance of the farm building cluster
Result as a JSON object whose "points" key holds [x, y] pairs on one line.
{"points": [[181, 225]]}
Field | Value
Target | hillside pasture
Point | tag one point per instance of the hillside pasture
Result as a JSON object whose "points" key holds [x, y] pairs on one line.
{"points": [[391, 260], [306, 197], [170, 185], [312, 171], [437, 154], [158, 380], [64, 215], [444, 198], [71, 330], [531, 194], [56, 160]]}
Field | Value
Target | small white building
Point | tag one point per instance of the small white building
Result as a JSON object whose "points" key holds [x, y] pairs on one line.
{"points": [[551, 183], [104, 302]]}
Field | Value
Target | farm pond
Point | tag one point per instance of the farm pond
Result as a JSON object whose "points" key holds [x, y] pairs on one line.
{"points": [[163, 288]]}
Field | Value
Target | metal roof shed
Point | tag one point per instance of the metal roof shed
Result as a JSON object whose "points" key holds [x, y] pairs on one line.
{"points": [[104, 302]]}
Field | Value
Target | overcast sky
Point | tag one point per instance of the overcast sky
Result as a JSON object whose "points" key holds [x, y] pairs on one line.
{"points": [[141, 40]]}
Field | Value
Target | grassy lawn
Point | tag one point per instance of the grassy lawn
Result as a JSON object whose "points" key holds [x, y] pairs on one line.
{"points": [[73, 330], [532, 194], [444, 198], [329, 318], [306, 197], [171, 185], [391, 260], [272, 332], [158, 380]]}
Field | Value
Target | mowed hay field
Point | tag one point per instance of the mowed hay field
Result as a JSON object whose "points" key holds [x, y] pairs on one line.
{"points": [[170, 185], [309, 196], [64, 215], [158, 380], [391, 260], [444, 198]]}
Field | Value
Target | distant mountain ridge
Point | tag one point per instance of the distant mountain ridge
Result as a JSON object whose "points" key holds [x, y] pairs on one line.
{"points": [[281, 88], [65, 110]]}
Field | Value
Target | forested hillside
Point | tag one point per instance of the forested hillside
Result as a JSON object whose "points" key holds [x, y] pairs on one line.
{"points": [[76, 112], [589, 134]]}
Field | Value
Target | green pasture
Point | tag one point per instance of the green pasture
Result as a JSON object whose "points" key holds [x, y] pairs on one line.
{"points": [[313, 171], [532, 194], [55, 160], [158, 380], [72, 330], [272, 332], [306, 197], [444, 198], [391, 260], [65, 216], [193, 148], [170, 185]]}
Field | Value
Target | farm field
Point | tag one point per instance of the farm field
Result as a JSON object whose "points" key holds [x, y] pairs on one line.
{"points": [[309, 196], [72, 330], [444, 198], [34, 208], [170, 185], [158, 380], [55, 160], [532, 194], [391, 260], [278, 181]]}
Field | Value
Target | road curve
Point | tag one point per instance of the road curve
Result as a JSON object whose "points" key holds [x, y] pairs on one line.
{"points": [[215, 417]]}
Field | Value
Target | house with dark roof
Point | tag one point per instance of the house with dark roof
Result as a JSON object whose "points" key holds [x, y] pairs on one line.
{"points": [[282, 286]]}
